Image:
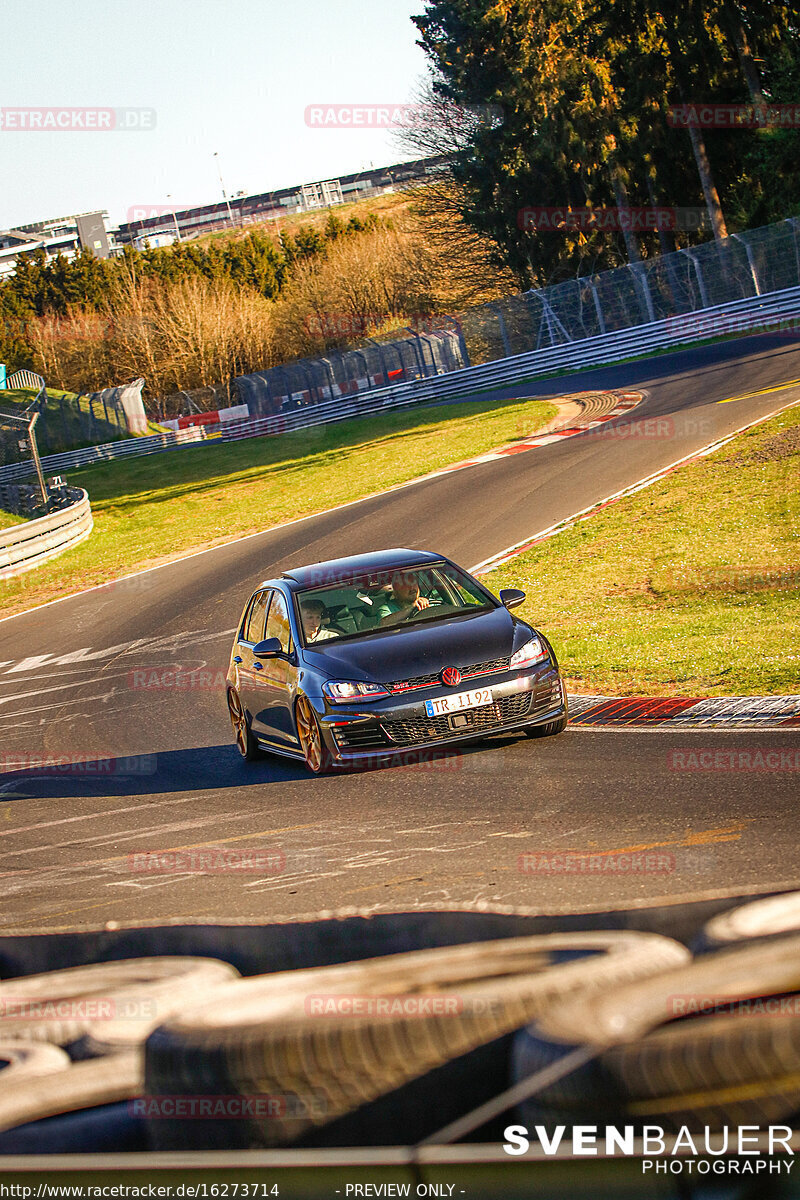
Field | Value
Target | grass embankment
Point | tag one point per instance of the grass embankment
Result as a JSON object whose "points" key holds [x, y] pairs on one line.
{"points": [[7, 520], [691, 587], [172, 503], [63, 427]]}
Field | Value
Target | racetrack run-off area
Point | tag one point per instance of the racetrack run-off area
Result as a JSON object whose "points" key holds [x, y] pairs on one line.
{"points": [[145, 768]]}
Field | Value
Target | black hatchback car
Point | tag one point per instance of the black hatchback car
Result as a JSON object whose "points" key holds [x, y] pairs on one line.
{"points": [[366, 657]]}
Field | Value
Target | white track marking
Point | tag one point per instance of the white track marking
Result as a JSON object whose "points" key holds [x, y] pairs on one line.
{"points": [[94, 816], [172, 641], [504, 556], [110, 584]]}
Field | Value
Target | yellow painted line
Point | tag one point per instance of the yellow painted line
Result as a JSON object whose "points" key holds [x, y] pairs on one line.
{"points": [[704, 837], [763, 392]]}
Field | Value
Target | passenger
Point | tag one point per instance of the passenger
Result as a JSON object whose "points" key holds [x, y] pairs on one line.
{"points": [[402, 600], [313, 616]]}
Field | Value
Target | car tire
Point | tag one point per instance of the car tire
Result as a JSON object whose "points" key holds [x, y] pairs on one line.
{"points": [[652, 1067], [550, 729], [246, 743], [760, 918], [309, 735], [263, 1035], [117, 1003], [69, 1087]]}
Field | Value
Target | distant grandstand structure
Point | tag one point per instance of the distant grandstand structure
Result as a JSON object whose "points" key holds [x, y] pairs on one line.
{"points": [[166, 224], [161, 225]]}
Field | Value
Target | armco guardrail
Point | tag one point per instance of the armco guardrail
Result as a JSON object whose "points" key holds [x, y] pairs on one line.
{"points": [[26, 546], [608, 348], [129, 448]]}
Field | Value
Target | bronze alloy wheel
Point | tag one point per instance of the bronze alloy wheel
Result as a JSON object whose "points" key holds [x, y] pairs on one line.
{"points": [[308, 732], [246, 744]]}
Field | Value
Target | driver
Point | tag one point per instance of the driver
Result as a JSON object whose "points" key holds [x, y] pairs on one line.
{"points": [[313, 616], [402, 600]]}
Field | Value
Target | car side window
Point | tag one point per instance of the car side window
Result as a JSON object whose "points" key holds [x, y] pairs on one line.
{"points": [[278, 622], [254, 624]]}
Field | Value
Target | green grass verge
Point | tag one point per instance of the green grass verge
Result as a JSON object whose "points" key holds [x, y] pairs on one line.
{"points": [[9, 519], [691, 587], [169, 504], [63, 426]]}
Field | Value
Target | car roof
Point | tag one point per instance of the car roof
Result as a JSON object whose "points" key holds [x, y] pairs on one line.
{"points": [[335, 569]]}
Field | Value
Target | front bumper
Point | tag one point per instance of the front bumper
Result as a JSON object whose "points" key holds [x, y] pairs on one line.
{"points": [[400, 723]]}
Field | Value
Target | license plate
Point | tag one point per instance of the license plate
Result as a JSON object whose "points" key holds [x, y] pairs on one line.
{"points": [[453, 704]]}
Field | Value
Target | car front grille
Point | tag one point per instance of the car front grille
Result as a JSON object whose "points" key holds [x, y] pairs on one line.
{"points": [[413, 731], [548, 695], [419, 681], [360, 737]]}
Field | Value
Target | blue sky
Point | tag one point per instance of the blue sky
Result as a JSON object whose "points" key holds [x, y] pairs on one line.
{"points": [[232, 76]]}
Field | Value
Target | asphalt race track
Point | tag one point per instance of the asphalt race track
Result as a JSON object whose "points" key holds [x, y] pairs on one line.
{"points": [[74, 684]]}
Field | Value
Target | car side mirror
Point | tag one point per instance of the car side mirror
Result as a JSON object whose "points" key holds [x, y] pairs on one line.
{"points": [[511, 597], [269, 648]]}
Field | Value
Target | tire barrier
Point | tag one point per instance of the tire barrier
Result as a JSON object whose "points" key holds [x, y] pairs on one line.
{"points": [[343, 1078], [70, 1087], [713, 1043], [761, 918], [26, 546], [325, 1042], [111, 1006]]}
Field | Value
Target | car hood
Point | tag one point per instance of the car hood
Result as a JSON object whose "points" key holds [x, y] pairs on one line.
{"points": [[420, 650]]}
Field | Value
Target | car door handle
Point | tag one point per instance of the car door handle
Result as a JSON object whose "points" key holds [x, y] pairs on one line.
{"points": [[237, 658], [257, 666]]}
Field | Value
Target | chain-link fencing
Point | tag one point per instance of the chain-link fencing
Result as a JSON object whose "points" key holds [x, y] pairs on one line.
{"points": [[669, 286], [435, 350], [672, 285]]}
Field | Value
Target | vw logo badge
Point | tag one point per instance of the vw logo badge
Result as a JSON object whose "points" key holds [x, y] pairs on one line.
{"points": [[451, 676]]}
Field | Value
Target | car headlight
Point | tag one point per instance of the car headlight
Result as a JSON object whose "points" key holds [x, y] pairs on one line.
{"points": [[532, 652], [344, 691]]}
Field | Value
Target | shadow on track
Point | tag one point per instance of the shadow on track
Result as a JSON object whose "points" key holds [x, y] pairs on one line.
{"points": [[215, 767]]}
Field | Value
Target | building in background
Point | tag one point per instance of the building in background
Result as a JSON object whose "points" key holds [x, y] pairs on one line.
{"points": [[160, 225], [61, 235], [167, 225]]}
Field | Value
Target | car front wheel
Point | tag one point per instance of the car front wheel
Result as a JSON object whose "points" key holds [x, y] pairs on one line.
{"points": [[246, 744], [549, 729], [309, 735]]}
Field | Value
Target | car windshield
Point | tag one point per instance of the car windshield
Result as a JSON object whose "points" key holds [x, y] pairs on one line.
{"points": [[388, 599]]}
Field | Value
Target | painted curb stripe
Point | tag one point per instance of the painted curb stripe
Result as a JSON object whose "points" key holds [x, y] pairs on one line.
{"points": [[727, 712]]}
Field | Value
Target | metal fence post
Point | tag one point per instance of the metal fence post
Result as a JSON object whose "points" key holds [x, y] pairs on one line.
{"points": [[598, 308], [503, 328], [750, 260], [700, 280]]}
